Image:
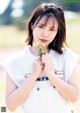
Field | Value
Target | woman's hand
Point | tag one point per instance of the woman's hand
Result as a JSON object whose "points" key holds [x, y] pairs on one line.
{"points": [[37, 67], [47, 62]]}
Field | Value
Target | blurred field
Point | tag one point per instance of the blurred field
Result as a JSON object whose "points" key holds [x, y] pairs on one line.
{"points": [[11, 37], [73, 33]]}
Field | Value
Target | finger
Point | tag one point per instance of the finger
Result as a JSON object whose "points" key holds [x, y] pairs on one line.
{"points": [[42, 67], [39, 59], [43, 59]]}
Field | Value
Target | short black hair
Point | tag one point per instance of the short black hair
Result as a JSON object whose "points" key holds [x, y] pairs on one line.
{"points": [[49, 10]]}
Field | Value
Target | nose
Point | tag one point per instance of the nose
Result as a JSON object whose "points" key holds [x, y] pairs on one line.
{"points": [[45, 33]]}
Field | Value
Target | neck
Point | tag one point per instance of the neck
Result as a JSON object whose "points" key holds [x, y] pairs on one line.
{"points": [[35, 50]]}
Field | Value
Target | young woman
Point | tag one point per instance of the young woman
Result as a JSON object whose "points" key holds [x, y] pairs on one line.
{"points": [[45, 84]]}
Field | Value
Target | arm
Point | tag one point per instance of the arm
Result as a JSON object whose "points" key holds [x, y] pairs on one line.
{"points": [[69, 90], [16, 95]]}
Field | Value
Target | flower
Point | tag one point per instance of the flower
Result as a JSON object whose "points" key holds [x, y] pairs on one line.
{"points": [[41, 49]]}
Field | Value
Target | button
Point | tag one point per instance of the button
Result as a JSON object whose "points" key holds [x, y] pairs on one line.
{"points": [[38, 88], [72, 111], [54, 87], [25, 76]]}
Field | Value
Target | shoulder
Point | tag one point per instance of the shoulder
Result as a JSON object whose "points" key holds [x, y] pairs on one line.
{"points": [[71, 62], [16, 57], [66, 52], [70, 54], [20, 53]]}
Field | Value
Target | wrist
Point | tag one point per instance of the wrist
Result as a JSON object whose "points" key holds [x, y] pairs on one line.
{"points": [[36, 74], [49, 73]]}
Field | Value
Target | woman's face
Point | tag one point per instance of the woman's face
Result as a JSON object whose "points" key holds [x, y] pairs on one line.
{"points": [[45, 33]]}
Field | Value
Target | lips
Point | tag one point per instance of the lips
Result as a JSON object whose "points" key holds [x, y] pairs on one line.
{"points": [[43, 40]]}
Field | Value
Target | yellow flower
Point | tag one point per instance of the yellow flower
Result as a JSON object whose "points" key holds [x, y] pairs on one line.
{"points": [[35, 43], [41, 49], [43, 44]]}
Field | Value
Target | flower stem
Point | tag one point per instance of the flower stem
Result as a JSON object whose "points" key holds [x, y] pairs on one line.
{"points": [[41, 52]]}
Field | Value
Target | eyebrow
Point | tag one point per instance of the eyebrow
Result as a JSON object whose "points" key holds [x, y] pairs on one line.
{"points": [[40, 24], [45, 25]]}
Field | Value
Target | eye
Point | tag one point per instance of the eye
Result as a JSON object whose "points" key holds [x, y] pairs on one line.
{"points": [[52, 29], [40, 26]]}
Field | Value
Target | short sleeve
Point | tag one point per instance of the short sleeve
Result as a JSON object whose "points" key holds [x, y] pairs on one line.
{"points": [[14, 68], [71, 61], [18, 66]]}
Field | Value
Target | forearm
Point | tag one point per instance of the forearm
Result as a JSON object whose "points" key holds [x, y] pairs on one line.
{"points": [[68, 91], [20, 94]]}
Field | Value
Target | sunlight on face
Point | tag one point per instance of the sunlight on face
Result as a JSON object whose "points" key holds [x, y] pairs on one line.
{"points": [[45, 30]]}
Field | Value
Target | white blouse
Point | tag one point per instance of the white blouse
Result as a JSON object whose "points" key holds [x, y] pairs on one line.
{"points": [[44, 97]]}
